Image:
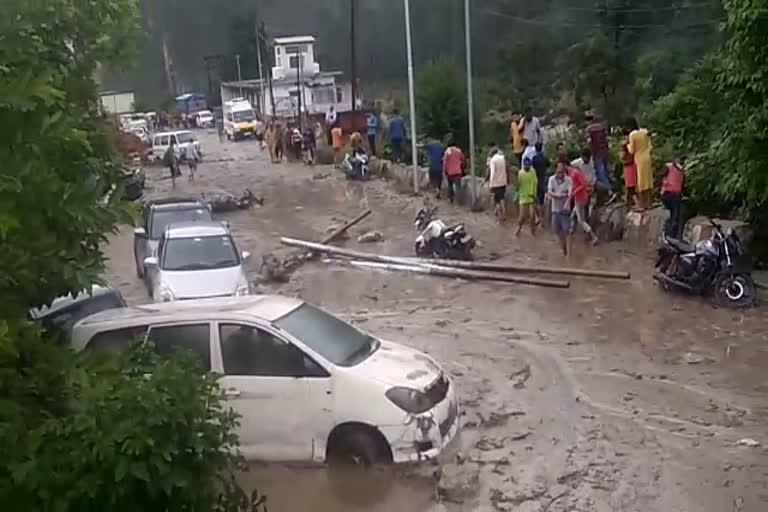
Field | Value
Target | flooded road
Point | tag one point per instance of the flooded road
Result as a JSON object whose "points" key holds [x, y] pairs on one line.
{"points": [[607, 396]]}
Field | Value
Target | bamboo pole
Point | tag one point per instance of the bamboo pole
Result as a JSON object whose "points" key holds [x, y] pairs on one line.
{"points": [[403, 264], [496, 267], [333, 236]]}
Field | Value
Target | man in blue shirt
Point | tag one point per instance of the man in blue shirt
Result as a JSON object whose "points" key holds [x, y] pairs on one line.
{"points": [[373, 126], [397, 135], [435, 153]]}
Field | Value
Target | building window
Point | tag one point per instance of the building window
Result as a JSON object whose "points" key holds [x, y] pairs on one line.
{"points": [[339, 95], [294, 61], [324, 95]]}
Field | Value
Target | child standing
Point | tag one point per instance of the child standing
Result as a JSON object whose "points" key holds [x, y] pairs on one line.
{"points": [[337, 136], [527, 184]]}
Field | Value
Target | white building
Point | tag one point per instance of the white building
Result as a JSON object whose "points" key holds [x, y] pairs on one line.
{"points": [[295, 73]]}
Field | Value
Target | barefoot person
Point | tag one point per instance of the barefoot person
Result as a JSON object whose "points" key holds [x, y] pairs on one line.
{"points": [[527, 186], [640, 148], [559, 192]]}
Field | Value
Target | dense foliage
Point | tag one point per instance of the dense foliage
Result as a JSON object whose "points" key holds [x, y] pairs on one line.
{"points": [[719, 115], [441, 102], [76, 435]]}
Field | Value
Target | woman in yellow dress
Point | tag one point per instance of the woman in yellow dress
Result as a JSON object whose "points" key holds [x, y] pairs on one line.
{"points": [[640, 148]]}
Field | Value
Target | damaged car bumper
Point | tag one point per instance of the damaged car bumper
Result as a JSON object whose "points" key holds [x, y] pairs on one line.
{"points": [[425, 436]]}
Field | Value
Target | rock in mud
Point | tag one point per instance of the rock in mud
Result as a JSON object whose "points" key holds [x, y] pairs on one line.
{"points": [[370, 237], [222, 201], [458, 483], [274, 269]]}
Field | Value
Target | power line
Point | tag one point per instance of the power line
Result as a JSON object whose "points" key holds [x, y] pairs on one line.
{"points": [[701, 5], [540, 22]]}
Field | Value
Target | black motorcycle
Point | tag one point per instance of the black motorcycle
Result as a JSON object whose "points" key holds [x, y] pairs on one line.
{"points": [[436, 239], [712, 266]]}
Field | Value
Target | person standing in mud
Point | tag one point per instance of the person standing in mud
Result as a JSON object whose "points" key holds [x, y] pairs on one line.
{"points": [[453, 168], [171, 159], [279, 134], [541, 165], [435, 153], [559, 191], [673, 182]]}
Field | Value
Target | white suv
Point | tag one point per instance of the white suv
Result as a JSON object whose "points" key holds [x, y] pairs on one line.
{"points": [[309, 386]]}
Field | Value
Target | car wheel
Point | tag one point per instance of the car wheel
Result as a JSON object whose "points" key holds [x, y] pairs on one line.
{"points": [[358, 447], [354, 476]]}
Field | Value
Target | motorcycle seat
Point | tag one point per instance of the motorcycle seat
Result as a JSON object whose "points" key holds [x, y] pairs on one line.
{"points": [[680, 245]]}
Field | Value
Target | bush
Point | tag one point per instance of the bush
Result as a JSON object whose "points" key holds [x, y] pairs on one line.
{"points": [[442, 102], [139, 434]]}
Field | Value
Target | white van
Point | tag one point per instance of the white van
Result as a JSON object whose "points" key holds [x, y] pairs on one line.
{"points": [[239, 119], [182, 139], [308, 386]]}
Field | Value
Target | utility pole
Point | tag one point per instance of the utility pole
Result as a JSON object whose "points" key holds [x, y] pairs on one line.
{"points": [[353, 50], [470, 106], [239, 75], [261, 74], [263, 31], [299, 91], [411, 97]]}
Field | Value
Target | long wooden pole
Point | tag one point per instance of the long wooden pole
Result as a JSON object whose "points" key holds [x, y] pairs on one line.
{"points": [[333, 236], [428, 268], [496, 267]]}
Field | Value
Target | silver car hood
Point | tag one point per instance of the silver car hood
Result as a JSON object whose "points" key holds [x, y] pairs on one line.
{"points": [[198, 284]]}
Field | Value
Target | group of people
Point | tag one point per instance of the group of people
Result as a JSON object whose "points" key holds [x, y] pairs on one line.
{"points": [[172, 160]]}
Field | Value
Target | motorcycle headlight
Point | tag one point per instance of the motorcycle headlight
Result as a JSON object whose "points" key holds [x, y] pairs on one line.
{"points": [[166, 293], [243, 289], [410, 400]]}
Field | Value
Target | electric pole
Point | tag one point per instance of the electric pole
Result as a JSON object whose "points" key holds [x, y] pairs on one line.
{"points": [[470, 107], [299, 91], [353, 50], [263, 35], [261, 74]]}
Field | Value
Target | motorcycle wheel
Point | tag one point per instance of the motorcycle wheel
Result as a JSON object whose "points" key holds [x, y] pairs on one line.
{"points": [[735, 290]]}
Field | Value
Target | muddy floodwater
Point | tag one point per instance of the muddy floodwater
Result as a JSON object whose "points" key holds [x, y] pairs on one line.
{"points": [[607, 396]]}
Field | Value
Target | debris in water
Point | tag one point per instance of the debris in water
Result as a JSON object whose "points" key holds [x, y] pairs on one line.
{"points": [[749, 443], [370, 237]]}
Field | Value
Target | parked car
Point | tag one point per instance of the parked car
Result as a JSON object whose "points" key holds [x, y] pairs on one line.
{"points": [[204, 119], [157, 215], [196, 260], [64, 312], [181, 139], [308, 386]]}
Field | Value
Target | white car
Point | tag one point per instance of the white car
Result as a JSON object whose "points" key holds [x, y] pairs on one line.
{"points": [[181, 139], [204, 119], [308, 386], [196, 260]]}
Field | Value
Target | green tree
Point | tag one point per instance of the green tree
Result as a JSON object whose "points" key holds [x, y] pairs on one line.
{"points": [[74, 435], [442, 102]]}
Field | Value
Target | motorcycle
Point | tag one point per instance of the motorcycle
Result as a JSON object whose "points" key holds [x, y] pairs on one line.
{"points": [[436, 239], [710, 267], [356, 166]]}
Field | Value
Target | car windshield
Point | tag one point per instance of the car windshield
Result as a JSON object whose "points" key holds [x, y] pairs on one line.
{"points": [[162, 218], [184, 137], [246, 116], [329, 336], [199, 253]]}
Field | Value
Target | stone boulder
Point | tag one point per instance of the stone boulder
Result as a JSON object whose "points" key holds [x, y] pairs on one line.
{"points": [[699, 228], [644, 229], [609, 221]]}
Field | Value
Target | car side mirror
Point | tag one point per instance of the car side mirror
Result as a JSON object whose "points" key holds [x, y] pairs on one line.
{"points": [[150, 262], [140, 233], [246, 255]]}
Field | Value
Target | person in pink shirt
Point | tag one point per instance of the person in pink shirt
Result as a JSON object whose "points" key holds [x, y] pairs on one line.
{"points": [[453, 168]]}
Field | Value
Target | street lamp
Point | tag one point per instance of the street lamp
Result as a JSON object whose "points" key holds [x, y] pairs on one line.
{"points": [[411, 98]]}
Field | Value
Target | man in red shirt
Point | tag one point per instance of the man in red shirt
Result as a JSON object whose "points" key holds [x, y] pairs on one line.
{"points": [[672, 195], [597, 139], [580, 197], [453, 168]]}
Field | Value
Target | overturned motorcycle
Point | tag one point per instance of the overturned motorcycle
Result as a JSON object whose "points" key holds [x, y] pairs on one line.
{"points": [[436, 239], [709, 267]]}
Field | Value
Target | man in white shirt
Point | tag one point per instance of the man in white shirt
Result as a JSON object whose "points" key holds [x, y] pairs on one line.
{"points": [[531, 128], [529, 152], [497, 177], [586, 165]]}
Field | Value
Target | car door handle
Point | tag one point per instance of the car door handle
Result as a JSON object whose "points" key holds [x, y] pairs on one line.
{"points": [[231, 393]]}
